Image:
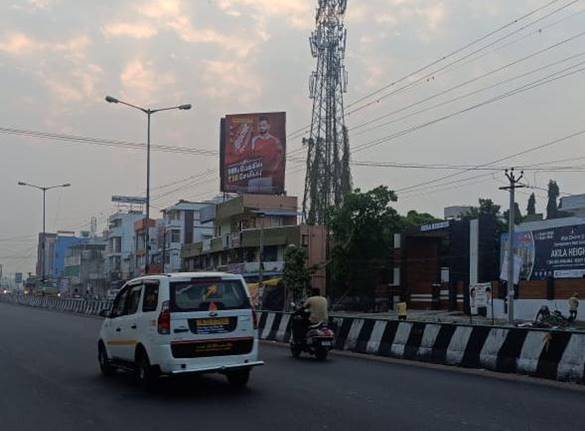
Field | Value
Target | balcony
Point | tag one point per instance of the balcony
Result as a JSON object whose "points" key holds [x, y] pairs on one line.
{"points": [[253, 267], [283, 235]]}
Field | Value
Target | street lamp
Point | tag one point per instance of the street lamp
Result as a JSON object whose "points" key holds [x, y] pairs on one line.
{"points": [[44, 190], [148, 112]]}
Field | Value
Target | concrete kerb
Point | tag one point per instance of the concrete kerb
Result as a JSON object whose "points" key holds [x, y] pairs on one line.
{"points": [[549, 354]]}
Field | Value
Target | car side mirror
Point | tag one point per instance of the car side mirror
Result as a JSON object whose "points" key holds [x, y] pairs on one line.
{"points": [[105, 313]]}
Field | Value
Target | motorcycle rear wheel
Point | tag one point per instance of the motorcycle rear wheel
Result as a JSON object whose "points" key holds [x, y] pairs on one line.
{"points": [[321, 354], [295, 351]]}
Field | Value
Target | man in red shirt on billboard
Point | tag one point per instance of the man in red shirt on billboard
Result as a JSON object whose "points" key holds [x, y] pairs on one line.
{"points": [[270, 149]]}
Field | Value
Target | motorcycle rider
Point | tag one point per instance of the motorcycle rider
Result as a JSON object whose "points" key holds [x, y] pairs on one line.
{"points": [[317, 307]]}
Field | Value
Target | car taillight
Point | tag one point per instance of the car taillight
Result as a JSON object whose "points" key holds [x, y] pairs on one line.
{"points": [[164, 319]]}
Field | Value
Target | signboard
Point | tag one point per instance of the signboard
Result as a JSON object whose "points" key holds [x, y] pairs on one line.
{"points": [[556, 252], [253, 153], [129, 200], [480, 296], [18, 277], [435, 226]]}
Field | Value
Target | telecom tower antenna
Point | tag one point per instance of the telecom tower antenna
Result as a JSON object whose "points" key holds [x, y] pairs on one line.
{"points": [[328, 177]]}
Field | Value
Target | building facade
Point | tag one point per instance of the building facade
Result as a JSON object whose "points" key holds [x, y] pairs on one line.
{"points": [[246, 224], [85, 268], [182, 225], [120, 246]]}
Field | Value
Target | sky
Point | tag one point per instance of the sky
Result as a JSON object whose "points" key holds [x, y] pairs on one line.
{"points": [[59, 58]]}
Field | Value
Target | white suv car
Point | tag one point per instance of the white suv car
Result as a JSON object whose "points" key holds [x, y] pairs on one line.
{"points": [[174, 324]]}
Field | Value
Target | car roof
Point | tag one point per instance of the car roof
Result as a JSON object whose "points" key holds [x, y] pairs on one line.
{"points": [[186, 276]]}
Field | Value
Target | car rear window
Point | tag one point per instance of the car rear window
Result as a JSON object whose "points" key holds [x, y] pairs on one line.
{"points": [[199, 295]]}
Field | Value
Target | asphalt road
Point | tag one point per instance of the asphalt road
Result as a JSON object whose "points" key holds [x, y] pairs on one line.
{"points": [[49, 380]]}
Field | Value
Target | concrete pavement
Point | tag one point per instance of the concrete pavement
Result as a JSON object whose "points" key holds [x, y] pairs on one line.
{"points": [[50, 381]]}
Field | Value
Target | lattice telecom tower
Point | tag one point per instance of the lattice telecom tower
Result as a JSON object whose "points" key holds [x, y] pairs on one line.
{"points": [[328, 177]]}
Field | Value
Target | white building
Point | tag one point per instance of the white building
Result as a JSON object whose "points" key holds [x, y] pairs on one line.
{"points": [[121, 245], [182, 225], [456, 212], [574, 205]]}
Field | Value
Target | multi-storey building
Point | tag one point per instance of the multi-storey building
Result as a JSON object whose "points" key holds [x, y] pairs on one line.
{"points": [[120, 246], [181, 225], [246, 224]]}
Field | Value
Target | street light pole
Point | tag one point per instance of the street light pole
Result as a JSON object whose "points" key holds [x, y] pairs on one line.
{"points": [[44, 189], [148, 112]]}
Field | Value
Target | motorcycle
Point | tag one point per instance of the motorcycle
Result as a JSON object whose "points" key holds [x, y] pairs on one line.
{"points": [[316, 339]]}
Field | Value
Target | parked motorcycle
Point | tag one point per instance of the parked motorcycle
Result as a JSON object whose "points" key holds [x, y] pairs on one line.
{"points": [[313, 339]]}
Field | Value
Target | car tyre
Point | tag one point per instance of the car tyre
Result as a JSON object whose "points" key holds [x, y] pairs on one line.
{"points": [[238, 379], [146, 376], [105, 366]]}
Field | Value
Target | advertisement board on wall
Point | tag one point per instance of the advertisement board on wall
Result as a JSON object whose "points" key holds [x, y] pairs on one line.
{"points": [[480, 296], [253, 153], [556, 252]]}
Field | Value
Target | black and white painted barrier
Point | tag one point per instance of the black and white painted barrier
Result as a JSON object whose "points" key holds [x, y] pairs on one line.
{"points": [[557, 355], [69, 305]]}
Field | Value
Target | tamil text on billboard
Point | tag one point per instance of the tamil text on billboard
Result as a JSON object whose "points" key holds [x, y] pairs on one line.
{"points": [[556, 252], [253, 153]]}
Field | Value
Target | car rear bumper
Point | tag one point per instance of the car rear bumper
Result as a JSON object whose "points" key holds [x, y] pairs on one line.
{"points": [[216, 368]]}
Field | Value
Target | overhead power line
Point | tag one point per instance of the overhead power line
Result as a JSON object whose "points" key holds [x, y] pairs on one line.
{"points": [[482, 76], [459, 60]]}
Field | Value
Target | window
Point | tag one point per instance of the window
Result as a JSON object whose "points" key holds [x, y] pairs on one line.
{"points": [[119, 306], [305, 240], [197, 295], [150, 302], [134, 299], [175, 235]]}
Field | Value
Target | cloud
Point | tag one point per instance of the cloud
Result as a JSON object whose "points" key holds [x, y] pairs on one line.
{"points": [[299, 13], [18, 43], [161, 9], [141, 81], [230, 80], [136, 30]]}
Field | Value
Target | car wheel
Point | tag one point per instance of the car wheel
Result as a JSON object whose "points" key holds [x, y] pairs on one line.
{"points": [[146, 376], [321, 354], [238, 379], [105, 366]]}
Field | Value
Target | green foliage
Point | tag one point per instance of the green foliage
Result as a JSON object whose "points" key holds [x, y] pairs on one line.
{"points": [[414, 218], [296, 276], [518, 217], [552, 209], [362, 231], [486, 207], [531, 208]]}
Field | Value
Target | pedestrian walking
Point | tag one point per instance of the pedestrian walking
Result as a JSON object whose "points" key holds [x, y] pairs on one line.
{"points": [[573, 306]]}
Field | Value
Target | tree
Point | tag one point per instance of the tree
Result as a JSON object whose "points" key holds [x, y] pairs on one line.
{"points": [[531, 208], [295, 275], [362, 230], [486, 207], [552, 209], [518, 217], [414, 218]]}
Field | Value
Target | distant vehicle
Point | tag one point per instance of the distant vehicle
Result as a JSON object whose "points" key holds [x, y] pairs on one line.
{"points": [[177, 324]]}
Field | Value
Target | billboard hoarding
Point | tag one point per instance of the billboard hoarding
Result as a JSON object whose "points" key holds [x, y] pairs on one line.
{"points": [[253, 153], [557, 252]]}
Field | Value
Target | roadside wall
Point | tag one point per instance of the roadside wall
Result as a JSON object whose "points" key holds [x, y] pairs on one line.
{"points": [[557, 355]]}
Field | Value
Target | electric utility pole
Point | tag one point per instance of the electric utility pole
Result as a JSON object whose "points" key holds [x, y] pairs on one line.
{"points": [[514, 184]]}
